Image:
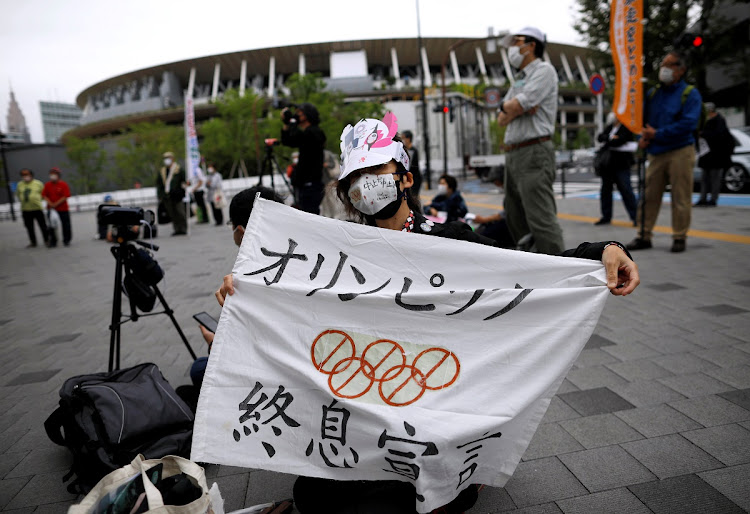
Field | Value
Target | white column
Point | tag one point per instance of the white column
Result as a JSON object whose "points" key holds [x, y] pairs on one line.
{"points": [[301, 66], [603, 73], [454, 65], [506, 65], [215, 89], [563, 129], [480, 62], [394, 65], [243, 77], [271, 76], [546, 57], [582, 70], [566, 67], [426, 69], [191, 83]]}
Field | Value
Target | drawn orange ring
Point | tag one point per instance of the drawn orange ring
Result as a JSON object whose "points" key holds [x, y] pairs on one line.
{"points": [[429, 373], [347, 337], [385, 379], [334, 372], [376, 366]]}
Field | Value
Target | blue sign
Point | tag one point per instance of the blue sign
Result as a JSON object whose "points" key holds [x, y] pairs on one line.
{"points": [[596, 84]]}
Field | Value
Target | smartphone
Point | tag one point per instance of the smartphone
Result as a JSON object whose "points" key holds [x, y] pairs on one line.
{"points": [[208, 321]]}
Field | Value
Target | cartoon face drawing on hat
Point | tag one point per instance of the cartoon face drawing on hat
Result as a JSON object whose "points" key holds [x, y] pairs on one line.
{"points": [[370, 143]]}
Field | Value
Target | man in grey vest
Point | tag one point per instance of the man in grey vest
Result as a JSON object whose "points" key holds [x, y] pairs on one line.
{"points": [[529, 110]]}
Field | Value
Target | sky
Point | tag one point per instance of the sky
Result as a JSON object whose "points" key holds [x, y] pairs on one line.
{"points": [[53, 50]]}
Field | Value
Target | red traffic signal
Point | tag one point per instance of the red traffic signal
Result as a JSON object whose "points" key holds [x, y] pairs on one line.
{"points": [[697, 41], [446, 109]]}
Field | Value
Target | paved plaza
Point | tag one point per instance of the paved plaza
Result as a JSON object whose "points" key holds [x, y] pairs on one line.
{"points": [[653, 417]]}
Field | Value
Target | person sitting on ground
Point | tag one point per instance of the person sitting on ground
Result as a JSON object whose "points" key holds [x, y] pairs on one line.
{"points": [[448, 200]]}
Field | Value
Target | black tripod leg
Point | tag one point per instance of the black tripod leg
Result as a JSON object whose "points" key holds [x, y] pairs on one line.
{"points": [[114, 327], [170, 313]]}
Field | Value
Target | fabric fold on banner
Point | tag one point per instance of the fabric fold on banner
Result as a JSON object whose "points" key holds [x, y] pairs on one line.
{"points": [[355, 353]]}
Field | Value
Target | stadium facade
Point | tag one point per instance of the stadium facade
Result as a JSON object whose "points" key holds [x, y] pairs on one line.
{"points": [[386, 70]]}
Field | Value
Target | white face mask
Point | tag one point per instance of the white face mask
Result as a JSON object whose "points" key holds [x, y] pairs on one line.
{"points": [[371, 193], [666, 75], [515, 56], [442, 189], [211, 170], [167, 162]]}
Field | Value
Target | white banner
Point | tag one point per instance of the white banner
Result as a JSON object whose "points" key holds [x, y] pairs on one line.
{"points": [[192, 152], [351, 352]]}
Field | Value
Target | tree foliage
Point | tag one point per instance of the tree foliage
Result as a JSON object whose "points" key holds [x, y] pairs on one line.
{"points": [[139, 152], [88, 158]]}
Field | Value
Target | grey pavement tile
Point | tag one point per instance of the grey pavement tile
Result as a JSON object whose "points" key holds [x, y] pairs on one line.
{"points": [[550, 439], [600, 430], [11, 436], [593, 377], [725, 356], [683, 363], [695, 384], [233, 489], [41, 489], [738, 376], [39, 295], [722, 309], [657, 420], [670, 455], [267, 486], [33, 377], [745, 347], [492, 500], [558, 410], [728, 443], [741, 398], [597, 341], [745, 283], [606, 468], [62, 338], [666, 287], [4, 321], [711, 410], [542, 481], [685, 495], [41, 461], [25, 510], [54, 508], [546, 508], [10, 488], [566, 387], [595, 401], [646, 392], [9, 460], [630, 351], [644, 369], [593, 357], [739, 332], [35, 438], [616, 501], [732, 482]]}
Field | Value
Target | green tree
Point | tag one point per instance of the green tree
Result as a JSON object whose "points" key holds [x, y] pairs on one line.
{"points": [[582, 140], [88, 158], [139, 152]]}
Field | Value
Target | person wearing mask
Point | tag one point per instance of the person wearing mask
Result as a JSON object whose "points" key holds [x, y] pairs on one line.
{"points": [[448, 200], [719, 158], [618, 142], [198, 190], [529, 110], [56, 193], [302, 131], [170, 190], [408, 138], [216, 194], [29, 193], [673, 109]]}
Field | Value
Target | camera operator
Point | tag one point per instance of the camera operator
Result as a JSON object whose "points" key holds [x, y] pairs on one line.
{"points": [[301, 131]]}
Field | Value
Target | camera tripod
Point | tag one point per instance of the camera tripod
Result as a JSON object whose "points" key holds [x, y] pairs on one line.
{"points": [[270, 164], [121, 254]]}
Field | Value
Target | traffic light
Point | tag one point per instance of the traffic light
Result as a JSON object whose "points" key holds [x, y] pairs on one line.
{"points": [[697, 41], [689, 41]]}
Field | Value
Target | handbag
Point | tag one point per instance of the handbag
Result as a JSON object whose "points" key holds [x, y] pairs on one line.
{"points": [[162, 216], [53, 219], [601, 161], [150, 486], [220, 200]]}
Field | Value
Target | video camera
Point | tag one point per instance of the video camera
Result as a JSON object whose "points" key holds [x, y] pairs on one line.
{"points": [[124, 219], [271, 141]]}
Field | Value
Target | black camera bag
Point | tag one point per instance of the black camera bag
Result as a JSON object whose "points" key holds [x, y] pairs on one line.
{"points": [[142, 294], [107, 419], [144, 266]]}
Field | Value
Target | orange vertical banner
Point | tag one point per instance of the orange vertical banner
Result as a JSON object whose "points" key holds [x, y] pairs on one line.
{"points": [[626, 42]]}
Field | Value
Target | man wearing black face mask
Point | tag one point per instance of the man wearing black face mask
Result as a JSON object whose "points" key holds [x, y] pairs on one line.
{"points": [[529, 110], [304, 133]]}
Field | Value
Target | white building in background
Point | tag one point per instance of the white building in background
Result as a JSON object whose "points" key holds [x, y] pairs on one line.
{"points": [[58, 118]]}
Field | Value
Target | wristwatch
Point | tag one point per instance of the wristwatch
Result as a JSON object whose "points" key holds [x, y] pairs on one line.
{"points": [[501, 109]]}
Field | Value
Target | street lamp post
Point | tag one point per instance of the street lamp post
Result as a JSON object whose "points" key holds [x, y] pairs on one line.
{"points": [[425, 130], [7, 178]]}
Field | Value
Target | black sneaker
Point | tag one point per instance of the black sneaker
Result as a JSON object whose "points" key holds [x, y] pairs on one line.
{"points": [[700, 203], [603, 222], [678, 246], [639, 244]]}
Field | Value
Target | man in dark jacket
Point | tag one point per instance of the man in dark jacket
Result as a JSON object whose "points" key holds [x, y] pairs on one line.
{"points": [[302, 131], [619, 144], [719, 158], [170, 190]]}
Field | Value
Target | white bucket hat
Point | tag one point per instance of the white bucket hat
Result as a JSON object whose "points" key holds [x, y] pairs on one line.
{"points": [[370, 143]]}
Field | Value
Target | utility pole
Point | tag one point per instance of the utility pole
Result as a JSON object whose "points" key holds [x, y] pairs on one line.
{"points": [[425, 129], [7, 178]]}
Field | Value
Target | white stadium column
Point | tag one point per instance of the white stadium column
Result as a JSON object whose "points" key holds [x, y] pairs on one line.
{"points": [[215, 88], [243, 77], [191, 83], [566, 67], [394, 65], [271, 76], [426, 69], [582, 70], [301, 65], [454, 65], [482, 67], [506, 65]]}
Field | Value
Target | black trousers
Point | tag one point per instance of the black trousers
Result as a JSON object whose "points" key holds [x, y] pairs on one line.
{"points": [[218, 214], [66, 232], [28, 220], [201, 203], [309, 197]]}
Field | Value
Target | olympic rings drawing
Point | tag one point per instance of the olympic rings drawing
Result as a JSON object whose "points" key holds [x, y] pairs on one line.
{"points": [[383, 362]]}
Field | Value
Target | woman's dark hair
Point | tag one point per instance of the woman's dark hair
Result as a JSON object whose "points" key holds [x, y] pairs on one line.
{"points": [[538, 47], [311, 113], [242, 203], [342, 191], [450, 181], [26, 169]]}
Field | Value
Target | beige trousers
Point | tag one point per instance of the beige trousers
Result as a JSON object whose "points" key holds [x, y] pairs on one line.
{"points": [[675, 168]]}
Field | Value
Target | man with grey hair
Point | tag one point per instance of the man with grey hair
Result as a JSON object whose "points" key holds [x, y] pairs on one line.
{"points": [[719, 158], [528, 111]]}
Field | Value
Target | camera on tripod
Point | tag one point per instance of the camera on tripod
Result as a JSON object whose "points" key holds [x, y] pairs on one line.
{"points": [[125, 221], [271, 141], [289, 114]]}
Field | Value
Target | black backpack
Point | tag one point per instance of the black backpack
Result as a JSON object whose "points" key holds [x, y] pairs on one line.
{"points": [[107, 419]]}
